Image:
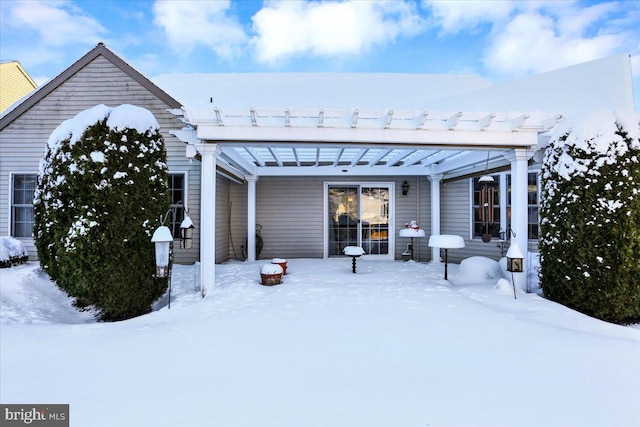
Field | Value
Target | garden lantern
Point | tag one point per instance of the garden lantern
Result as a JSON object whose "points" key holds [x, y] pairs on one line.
{"points": [[514, 259], [186, 233], [514, 264], [163, 239]]}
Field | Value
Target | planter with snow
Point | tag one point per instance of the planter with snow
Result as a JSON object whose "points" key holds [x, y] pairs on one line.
{"points": [[12, 252], [282, 263], [271, 274]]}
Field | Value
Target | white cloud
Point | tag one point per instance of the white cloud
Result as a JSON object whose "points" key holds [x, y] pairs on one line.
{"points": [[456, 16], [287, 28], [57, 23], [189, 23], [534, 42]]}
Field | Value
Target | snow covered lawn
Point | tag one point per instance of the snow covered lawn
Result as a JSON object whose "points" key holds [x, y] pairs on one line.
{"points": [[392, 345]]}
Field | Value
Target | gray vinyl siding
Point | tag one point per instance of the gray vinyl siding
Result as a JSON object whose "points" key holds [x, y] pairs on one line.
{"points": [[456, 211], [236, 209], [23, 141], [416, 205], [222, 219], [291, 212]]}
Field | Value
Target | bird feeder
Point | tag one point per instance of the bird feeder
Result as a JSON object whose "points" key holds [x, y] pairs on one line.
{"points": [[514, 259]]}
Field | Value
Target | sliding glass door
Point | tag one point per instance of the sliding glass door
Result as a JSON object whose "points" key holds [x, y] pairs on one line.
{"points": [[359, 215]]}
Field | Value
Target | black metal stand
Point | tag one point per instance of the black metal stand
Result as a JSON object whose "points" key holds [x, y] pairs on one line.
{"points": [[353, 263], [446, 256]]}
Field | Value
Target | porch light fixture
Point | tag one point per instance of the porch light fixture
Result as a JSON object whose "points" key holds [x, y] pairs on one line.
{"points": [[186, 232], [405, 188]]}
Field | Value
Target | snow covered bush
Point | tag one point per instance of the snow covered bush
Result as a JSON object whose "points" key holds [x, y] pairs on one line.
{"points": [[102, 186], [12, 252], [590, 216]]}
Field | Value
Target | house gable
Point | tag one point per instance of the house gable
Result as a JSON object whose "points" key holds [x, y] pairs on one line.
{"points": [[99, 77], [15, 83], [99, 51]]}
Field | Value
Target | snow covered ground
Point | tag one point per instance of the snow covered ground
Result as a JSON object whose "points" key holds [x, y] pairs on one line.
{"points": [[392, 345]]}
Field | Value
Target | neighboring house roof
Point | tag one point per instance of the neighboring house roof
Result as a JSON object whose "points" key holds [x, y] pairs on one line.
{"points": [[99, 50], [15, 83]]}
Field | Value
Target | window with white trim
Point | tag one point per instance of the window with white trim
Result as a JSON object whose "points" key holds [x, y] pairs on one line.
{"points": [[22, 188]]}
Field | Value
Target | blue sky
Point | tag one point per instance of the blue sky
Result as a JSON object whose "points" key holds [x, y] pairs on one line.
{"points": [[499, 40]]}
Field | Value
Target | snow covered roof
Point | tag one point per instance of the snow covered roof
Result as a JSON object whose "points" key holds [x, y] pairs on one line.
{"points": [[398, 124], [316, 90], [605, 83]]}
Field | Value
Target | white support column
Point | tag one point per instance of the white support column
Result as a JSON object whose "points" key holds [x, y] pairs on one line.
{"points": [[519, 207], [435, 179], [209, 152], [251, 217]]}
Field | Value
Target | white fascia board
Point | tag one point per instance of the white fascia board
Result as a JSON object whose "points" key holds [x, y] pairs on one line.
{"points": [[457, 138]]}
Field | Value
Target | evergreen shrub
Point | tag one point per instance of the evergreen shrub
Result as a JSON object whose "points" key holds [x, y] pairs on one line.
{"points": [[102, 186], [590, 217]]}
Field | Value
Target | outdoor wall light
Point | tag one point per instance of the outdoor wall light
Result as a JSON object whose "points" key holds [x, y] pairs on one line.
{"points": [[186, 233], [405, 188]]}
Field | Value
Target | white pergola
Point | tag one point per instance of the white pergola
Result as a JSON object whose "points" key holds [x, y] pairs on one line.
{"points": [[246, 144]]}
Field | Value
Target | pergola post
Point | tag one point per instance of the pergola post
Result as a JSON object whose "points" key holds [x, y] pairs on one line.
{"points": [[208, 152], [435, 179], [519, 206], [251, 217]]}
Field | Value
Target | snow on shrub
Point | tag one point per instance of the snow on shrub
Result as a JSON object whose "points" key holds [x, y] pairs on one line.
{"points": [[102, 186], [590, 211], [477, 269], [12, 252]]}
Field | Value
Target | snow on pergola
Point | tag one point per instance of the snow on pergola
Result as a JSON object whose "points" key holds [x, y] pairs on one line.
{"points": [[307, 142]]}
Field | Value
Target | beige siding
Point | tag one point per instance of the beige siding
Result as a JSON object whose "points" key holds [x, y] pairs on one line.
{"points": [[22, 143]]}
